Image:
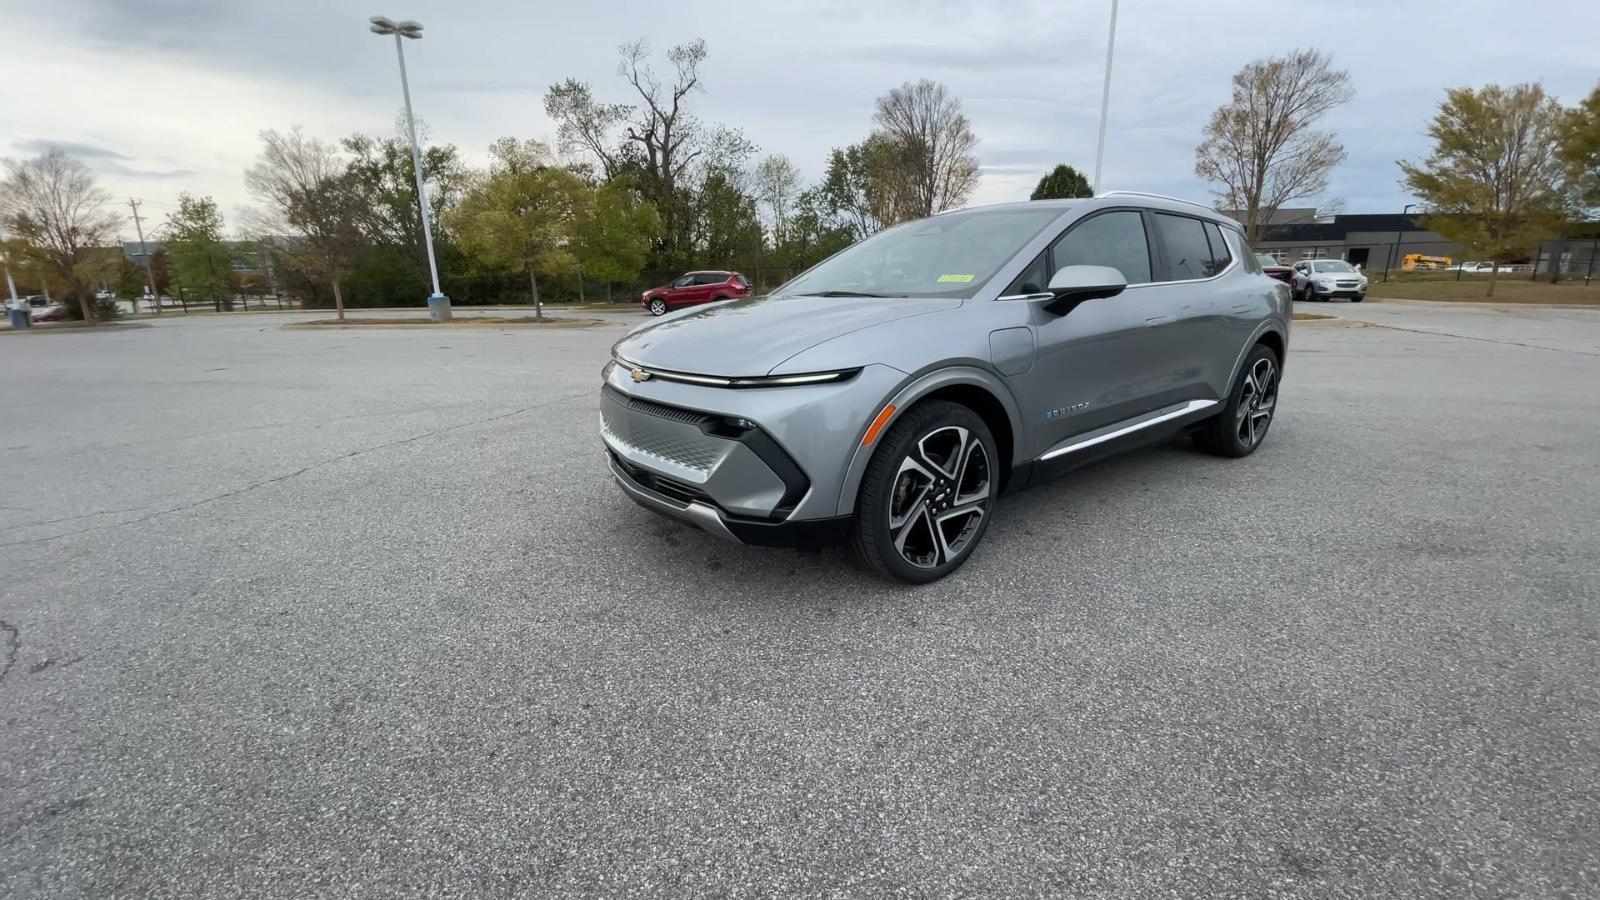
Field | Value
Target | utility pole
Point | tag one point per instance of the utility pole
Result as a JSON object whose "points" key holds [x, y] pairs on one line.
{"points": [[144, 254], [1105, 101]]}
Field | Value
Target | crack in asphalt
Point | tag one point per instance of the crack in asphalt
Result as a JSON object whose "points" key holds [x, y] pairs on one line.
{"points": [[103, 512], [360, 451], [13, 639], [1469, 337]]}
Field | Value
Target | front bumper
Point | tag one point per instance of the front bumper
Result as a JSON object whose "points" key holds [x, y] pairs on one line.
{"points": [[1339, 290], [755, 456], [642, 488]]}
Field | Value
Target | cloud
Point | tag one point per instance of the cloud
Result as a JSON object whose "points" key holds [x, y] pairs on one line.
{"points": [[73, 148], [101, 159]]}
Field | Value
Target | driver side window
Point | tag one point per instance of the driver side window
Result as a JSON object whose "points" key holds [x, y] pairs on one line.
{"points": [[685, 281], [1114, 239]]}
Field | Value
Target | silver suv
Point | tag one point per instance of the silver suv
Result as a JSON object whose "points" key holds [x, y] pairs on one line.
{"points": [[889, 394]]}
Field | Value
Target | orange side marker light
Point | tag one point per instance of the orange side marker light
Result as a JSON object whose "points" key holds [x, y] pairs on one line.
{"points": [[877, 425]]}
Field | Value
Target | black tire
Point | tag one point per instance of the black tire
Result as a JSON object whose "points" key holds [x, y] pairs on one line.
{"points": [[1227, 433], [718, 299], [1358, 298], [658, 306], [927, 431]]}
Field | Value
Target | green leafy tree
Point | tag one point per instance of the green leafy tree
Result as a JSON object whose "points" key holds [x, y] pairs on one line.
{"points": [[1579, 150], [614, 234], [523, 214], [130, 281], [815, 232], [54, 218], [382, 174], [728, 229], [199, 258], [1493, 181], [656, 140], [312, 215], [1062, 183], [777, 187]]}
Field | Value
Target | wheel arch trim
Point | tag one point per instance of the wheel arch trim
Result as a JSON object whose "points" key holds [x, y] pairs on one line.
{"points": [[1269, 326], [907, 396]]}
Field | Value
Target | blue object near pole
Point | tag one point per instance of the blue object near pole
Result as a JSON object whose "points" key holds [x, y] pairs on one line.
{"points": [[439, 308], [20, 318]]}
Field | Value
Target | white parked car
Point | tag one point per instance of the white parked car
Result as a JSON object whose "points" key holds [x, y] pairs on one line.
{"points": [[1325, 279]]}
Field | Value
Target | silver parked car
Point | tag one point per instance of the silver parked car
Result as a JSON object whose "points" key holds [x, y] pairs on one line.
{"points": [[890, 394]]}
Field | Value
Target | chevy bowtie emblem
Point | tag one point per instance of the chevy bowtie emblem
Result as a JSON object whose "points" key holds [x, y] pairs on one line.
{"points": [[641, 375]]}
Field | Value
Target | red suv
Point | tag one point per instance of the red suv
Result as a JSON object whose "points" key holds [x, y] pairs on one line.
{"points": [[695, 287]]}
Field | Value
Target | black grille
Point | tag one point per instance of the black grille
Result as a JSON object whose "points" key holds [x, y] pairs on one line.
{"points": [[648, 407], [667, 487]]}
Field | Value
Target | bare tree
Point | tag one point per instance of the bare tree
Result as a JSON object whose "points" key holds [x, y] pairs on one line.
{"points": [[657, 139], [53, 211], [935, 146], [1262, 146], [777, 185], [584, 126], [312, 210]]}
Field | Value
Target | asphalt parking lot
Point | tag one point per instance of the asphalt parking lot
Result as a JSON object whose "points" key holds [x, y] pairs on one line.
{"points": [[291, 613]]}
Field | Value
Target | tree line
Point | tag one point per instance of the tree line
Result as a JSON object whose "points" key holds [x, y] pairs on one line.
{"points": [[1510, 167], [637, 188]]}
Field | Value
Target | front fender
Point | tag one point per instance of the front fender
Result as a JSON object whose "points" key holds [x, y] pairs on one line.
{"points": [[906, 396]]}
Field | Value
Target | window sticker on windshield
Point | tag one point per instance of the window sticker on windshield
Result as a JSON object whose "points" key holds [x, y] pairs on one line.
{"points": [[955, 279]]}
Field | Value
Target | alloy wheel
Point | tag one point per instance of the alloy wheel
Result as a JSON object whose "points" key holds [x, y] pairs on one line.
{"points": [[658, 307], [941, 494], [1258, 399]]}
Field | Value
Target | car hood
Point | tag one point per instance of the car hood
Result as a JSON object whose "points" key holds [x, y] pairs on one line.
{"points": [[752, 337]]}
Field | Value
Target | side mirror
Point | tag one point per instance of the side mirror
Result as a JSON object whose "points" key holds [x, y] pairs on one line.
{"points": [[1071, 285]]}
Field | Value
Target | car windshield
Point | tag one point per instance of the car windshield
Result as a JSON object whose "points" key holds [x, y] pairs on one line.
{"points": [[1266, 259], [950, 255], [1334, 265]]}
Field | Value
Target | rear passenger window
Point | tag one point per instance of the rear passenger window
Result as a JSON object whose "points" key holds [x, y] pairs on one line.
{"points": [[1220, 256], [1114, 239], [1188, 251]]}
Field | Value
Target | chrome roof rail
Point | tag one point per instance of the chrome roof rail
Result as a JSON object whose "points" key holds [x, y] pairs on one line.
{"points": [[1150, 196]]}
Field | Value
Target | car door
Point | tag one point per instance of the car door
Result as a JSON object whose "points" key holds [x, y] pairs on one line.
{"points": [[1093, 365], [677, 291], [1206, 305], [700, 291]]}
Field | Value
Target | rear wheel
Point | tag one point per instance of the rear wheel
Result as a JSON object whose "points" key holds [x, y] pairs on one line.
{"points": [[925, 498], [718, 299], [1242, 425], [658, 306]]}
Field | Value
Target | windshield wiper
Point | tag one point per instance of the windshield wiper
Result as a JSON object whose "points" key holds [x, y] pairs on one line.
{"points": [[849, 294]]}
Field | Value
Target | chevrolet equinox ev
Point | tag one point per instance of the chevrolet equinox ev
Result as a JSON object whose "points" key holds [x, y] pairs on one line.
{"points": [[889, 394]]}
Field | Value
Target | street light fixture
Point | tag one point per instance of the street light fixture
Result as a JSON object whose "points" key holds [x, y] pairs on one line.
{"points": [[438, 303]]}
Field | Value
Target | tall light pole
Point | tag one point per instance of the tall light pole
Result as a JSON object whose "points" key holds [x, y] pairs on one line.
{"points": [[438, 303], [1105, 99], [1397, 233]]}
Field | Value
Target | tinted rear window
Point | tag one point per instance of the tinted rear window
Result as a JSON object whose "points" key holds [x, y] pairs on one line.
{"points": [[1188, 251]]}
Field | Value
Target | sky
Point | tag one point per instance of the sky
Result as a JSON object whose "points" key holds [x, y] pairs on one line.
{"points": [[162, 96]]}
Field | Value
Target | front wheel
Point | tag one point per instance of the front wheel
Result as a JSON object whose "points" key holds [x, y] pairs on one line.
{"points": [[1242, 425], [1358, 298], [925, 498], [658, 307]]}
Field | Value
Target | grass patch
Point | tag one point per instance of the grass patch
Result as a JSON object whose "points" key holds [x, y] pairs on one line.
{"points": [[1475, 289]]}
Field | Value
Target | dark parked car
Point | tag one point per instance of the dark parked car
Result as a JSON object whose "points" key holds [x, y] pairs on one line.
{"points": [[695, 287], [1272, 269]]}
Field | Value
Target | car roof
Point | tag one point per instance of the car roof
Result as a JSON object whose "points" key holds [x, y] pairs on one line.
{"points": [[1113, 199]]}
